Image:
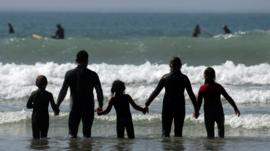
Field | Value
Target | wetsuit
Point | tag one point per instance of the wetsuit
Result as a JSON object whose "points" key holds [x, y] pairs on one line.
{"points": [[81, 82], [196, 31], [60, 33], [173, 108], [39, 101], [124, 118], [11, 29], [213, 110], [226, 30]]}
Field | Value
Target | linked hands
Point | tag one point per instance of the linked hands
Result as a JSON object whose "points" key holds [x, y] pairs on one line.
{"points": [[145, 110], [237, 112], [99, 110], [196, 114]]}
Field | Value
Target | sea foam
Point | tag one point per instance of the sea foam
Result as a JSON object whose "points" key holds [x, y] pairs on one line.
{"points": [[248, 84]]}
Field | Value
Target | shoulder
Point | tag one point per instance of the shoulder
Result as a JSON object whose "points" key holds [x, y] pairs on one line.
{"points": [[185, 77], [48, 93], [92, 73], [203, 87], [219, 86], [165, 76], [34, 93], [70, 72], [127, 96]]}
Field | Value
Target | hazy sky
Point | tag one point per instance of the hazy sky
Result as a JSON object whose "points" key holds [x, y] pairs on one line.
{"points": [[138, 5]]}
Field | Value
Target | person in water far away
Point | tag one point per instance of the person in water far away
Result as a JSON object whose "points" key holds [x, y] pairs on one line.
{"points": [[121, 102], [173, 109], [211, 91], [10, 29], [226, 30], [39, 101], [60, 32], [196, 31], [81, 82]]}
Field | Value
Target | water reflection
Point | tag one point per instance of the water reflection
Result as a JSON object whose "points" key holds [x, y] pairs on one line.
{"points": [[39, 144]]}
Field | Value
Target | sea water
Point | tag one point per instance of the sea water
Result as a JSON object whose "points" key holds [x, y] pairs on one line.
{"points": [[136, 49]]}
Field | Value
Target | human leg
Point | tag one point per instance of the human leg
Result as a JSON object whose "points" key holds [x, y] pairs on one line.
{"points": [[120, 128], [73, 123], [130, 129], [166, 124], [220, 125], [44, 125], [179, 119], [35, 127], [210, 126], [87, 120]]}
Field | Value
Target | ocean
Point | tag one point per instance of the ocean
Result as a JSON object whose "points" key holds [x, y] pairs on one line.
{"points": [[136, 48]]}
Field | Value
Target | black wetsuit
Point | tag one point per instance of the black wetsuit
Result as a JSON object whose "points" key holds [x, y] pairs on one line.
{"points": [[213, 110], [196, 31], [124, 119], [226, 30], [60, 33], [39, 101], [173, 108], [81, 81], [11, 29]]}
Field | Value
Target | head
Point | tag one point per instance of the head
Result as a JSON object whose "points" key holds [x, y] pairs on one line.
{"points": [[82, 57], [175, 63], [58, 26], [209, 75], [41, 82], [118, 87]]}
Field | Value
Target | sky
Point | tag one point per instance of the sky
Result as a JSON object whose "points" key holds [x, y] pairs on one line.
{"points": [[137, 5]]}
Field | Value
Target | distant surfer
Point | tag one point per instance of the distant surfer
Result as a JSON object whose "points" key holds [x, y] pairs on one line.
{"points": [[60, 32], [196, 31], [226, 30], [11, 29]]}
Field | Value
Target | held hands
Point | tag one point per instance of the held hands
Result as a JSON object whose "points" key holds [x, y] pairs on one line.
{"points": [[145, 110], [56, 113], [196, 115], [237, 112], [99, 110]]}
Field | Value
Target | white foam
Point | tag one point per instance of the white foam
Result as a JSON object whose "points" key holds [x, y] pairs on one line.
{"points": [[247, 121], [17, 81]]}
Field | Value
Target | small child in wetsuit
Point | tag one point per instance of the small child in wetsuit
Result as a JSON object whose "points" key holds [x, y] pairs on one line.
{"points": [[211, 91], [121, 102], [39, 101]]}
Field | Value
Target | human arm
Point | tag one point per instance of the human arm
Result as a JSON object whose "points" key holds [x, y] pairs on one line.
{"points": [[108, 109], [230, 100], [63, 91], [99, 92], [135, 106], [30, 102], [155, 92], [191, 94], [53, 105], [199, 103]]}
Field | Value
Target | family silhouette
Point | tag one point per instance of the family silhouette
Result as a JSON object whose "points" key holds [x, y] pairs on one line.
{"points": [[82, 81]]}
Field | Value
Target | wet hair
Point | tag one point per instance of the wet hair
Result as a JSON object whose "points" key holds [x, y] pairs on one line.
{"points": [[82, 57], [118, 87], [209, 75], [175, 63], [41, 82]]}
